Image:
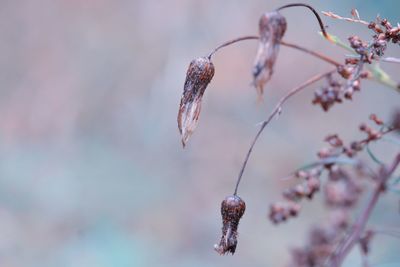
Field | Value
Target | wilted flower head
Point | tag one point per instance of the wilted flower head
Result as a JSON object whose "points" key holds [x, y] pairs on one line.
{"points": [[232, 209], [198, 76], [272, 27]]}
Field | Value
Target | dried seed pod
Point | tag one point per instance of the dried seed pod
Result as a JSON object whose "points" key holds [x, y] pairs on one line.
{"points": [[232, 209], [198, 76], [272, 27]]}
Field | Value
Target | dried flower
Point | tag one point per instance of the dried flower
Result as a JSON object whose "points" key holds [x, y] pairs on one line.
{"points": [[272, 27], [198, 76], [232, 209]]}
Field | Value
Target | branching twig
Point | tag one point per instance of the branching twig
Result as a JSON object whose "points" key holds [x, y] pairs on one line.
{"points": [[335, 16], [275, 112], [361, 222]]}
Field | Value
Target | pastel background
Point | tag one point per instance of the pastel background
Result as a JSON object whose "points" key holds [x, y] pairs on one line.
{"points": [[92, 172]]}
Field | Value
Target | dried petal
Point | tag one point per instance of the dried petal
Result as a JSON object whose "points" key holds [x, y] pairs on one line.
{"points": [[272, 27], [198, 76], [232, 209]]}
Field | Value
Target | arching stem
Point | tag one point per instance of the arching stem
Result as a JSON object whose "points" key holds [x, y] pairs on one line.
{"points": [[275, 112], [284, 43], [321, 25], [227, 43]]}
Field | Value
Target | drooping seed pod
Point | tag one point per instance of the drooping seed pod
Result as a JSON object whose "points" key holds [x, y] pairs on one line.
{"points": [[232, 209], [272, 27], [198, 76]]}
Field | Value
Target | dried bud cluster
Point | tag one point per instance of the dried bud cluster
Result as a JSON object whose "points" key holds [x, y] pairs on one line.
{"points": [[352, 71], [341, 194], [338, 148], [272, 27], [328, 95], [281, 211], [304, 190], [232, 209], [320, 246], [341, 191], [198, 76], [385, 31]]}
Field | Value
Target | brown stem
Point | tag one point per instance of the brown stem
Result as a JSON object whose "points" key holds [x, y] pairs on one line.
{"points": [[315, 54], [321, 25], [275, 112], [361, 222], [227, 43], [295, 46]]}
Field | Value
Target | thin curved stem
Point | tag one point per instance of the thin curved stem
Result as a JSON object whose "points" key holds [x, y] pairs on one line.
{"points": [[284, 43], [227, 43], [321, 24], [275, 112], [313, 53]]}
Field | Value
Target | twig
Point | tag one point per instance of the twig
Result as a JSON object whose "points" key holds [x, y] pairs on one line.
{"points": [[335, 16], [315, 54], [276, 111], [361, 222]]}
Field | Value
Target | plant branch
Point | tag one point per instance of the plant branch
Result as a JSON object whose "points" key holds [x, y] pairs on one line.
{"points": [[375, 70], [335, 16], [284, 43], [358, 228], [321, 24], [275, 112], [313, 53], [227, 43]]}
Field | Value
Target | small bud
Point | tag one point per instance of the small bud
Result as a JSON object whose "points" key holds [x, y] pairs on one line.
{"points": [[375, 119], [272, 27], [232, 209], [198, 76]]}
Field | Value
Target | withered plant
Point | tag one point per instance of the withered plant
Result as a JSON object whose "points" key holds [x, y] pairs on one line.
{"points": [[346, 175]]}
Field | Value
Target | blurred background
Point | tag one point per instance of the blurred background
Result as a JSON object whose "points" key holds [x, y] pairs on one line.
{"points": [[92, 171]]}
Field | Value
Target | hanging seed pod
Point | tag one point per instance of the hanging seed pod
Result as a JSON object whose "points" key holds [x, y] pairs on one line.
{"points": [[232, 209], [198, 76], [272, 27]]}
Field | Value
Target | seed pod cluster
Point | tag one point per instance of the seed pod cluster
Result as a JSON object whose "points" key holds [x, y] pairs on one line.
{"points": [[232, 209], [272, 27], [199, 74]]}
